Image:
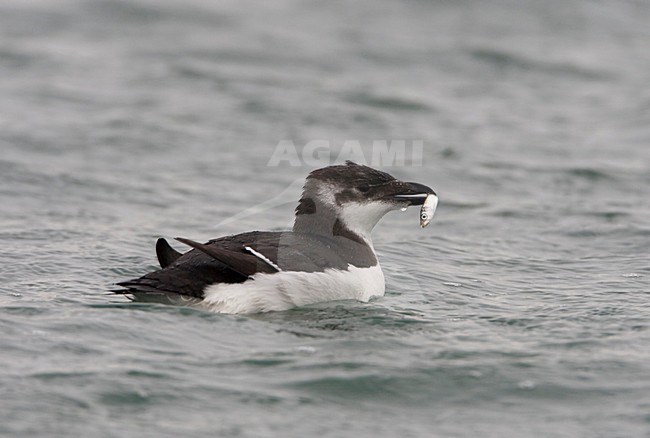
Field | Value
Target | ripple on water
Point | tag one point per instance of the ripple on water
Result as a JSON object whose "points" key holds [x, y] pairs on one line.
{"points": [[387, 102], [503, 59]]}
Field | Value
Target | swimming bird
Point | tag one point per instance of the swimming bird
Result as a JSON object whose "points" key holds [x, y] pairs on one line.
{"points": [[328, 255]]}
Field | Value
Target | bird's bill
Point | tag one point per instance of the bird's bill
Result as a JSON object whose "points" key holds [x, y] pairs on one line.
{"points": [[413, 193]]}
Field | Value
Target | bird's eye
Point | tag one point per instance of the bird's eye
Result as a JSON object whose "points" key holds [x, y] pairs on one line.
{"points": [[363, 188]]}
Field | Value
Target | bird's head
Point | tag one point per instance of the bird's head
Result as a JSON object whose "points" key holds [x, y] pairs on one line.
{"points": [[355, 196]]}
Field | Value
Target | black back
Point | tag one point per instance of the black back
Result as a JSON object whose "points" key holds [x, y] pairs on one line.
{"points": [[189, 274]]}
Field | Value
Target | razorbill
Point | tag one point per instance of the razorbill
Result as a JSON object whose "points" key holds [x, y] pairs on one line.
{"points": [[327, 256]]}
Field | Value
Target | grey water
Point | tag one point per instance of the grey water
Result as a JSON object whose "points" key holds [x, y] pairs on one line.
{"points": [[522, 310]]}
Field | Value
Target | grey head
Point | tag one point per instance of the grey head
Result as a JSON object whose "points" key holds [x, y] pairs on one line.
{"points": [[348, 200]]}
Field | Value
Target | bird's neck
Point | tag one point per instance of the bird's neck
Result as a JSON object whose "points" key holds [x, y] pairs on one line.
{"points": [[354, 221], [319, 218]]}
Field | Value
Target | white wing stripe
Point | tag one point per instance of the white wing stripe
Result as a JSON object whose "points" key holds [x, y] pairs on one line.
{"points": [[263, 258]]}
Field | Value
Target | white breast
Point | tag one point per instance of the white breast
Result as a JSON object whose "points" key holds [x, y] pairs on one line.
{"points": [[286, 289]]}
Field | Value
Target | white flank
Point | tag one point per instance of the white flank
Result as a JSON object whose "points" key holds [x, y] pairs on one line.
{"points": [[288, 289]]}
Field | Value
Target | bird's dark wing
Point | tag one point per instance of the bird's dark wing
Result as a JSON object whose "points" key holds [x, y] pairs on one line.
{"points": [[166, 254], [225, 260], [237, 258], [245, 264], [188, 275], [303, 252]]}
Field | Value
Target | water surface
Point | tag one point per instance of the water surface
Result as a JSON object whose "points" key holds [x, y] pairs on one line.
{"points": [[522, 310]]}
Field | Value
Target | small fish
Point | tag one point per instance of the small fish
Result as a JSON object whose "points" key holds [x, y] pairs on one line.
{"points": [[428, 210]]}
